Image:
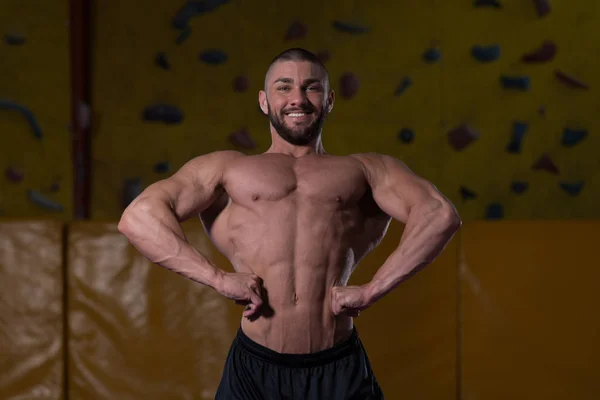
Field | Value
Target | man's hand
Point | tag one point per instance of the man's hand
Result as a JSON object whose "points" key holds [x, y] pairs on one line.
{"points": [[246, 289], [350, 300]]}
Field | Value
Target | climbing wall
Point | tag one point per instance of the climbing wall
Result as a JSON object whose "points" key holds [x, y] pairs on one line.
{"points": [[35, 146], [493, 101]]}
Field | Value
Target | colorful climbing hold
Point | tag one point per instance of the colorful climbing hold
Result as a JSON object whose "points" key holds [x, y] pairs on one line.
{"points": [[214, 57], [240, 83], [162, 61], [573, 136], [570, 80], [241, 138], [13, 39], [185, 33], [9, 105], [542, 7], [545, 53], [487, 3], [515, 82], [519, 187], [163, 113], [486, 53], [571, 188], [467, 194], [545, 163], [462, 136], [349, 27], [519, 130], [406, 135], [192, 9], [432, 55], [43, 201], [296, 31], [162, 167], [13, 174], [494, 211], [349, 85], [405, 84]]}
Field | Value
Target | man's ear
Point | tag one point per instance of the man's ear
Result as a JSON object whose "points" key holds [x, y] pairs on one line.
{"points": [[330, 100], [262, 102]]}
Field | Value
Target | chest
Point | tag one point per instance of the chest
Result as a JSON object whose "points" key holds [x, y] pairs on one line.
{"points": [[260, 178]]}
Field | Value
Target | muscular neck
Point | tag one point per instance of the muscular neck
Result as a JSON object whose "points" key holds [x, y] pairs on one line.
{"points": [[278, 145]]}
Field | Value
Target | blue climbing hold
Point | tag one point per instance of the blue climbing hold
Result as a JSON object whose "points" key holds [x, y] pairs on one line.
{"points": [[432, 55], [405, 84], [14, 40], [486, 53], [406, 135], [495, 211], [192, 9], [519, 130], [213, 57], [9, 105], [185, 33], [163, 113], [487, 3], [44, 202], [162, 167], [515, 82], [573, 136], [572, 188], [351, 28], [519, 187], [467, 194], [162, 61]]}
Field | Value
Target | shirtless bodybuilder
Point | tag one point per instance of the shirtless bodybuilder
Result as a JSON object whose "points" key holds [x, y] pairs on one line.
{"points": [[294, 221]]}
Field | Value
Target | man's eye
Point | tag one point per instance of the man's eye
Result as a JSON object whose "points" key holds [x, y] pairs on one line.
{"points": [[283, 88]]}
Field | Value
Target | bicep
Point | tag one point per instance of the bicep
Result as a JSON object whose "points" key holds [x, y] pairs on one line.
{"points": [[193, 188], [396, 189]]}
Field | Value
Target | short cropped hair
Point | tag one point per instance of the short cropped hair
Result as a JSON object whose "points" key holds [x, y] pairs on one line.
{"points": [[297, 54]]}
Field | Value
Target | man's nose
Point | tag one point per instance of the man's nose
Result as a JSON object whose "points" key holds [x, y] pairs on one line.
{"points": [[298, 97]]}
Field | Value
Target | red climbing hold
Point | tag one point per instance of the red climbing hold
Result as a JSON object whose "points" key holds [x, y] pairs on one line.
{"points": [[543, 7], [242, 138], [462, 136], [545, 163], [544, 53], [570, 81], [349, 85], [296, 31], [240, 83], [14, 175]]}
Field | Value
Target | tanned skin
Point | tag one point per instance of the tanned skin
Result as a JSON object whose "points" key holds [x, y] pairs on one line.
{"points": [[294, 221]]}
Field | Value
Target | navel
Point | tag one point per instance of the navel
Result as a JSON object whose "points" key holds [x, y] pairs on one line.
{"points": [[295, 298], [338, 199], [255, 197]]}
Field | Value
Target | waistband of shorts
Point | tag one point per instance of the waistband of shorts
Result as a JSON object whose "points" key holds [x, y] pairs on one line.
{"points": [[339, 350]]}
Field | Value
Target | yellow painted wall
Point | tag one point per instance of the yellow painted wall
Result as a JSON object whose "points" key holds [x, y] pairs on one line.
{"points": [[36, 75], [456, 90]]}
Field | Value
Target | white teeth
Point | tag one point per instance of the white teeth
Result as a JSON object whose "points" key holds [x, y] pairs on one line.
{"points": [[296, 114]]}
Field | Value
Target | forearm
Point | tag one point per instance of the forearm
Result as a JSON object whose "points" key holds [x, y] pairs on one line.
{"points": [[428, 230], [153, 229]]}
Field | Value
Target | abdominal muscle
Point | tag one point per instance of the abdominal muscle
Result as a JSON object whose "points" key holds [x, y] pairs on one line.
{"points": [[298, 267], [297, 317]]}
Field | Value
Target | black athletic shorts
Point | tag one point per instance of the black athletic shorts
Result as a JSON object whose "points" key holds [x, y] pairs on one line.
{"points": [[255, 372]]}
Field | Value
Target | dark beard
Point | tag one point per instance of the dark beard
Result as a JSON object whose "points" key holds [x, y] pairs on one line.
{"points": [[295, 137]]}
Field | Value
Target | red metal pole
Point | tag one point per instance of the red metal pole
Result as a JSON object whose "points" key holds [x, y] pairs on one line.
{"points": [[80, 101]]}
